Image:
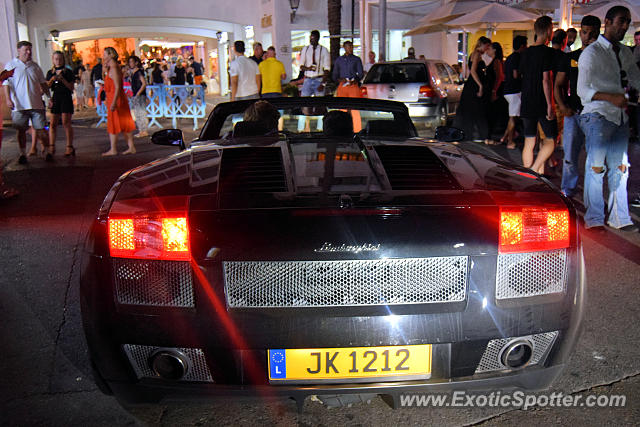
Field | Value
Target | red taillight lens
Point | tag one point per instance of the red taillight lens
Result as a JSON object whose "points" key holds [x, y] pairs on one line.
{"points": [[175, 237], [149, 237], [121, 236], [427, 92], [363, 92], [530, 229]]}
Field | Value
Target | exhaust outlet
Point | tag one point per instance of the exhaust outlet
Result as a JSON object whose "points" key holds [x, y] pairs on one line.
{"points": [[517, 354], [169, 364]]}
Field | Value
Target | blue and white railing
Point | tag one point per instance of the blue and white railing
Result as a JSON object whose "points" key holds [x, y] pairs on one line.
{"points": [[174, 101]]}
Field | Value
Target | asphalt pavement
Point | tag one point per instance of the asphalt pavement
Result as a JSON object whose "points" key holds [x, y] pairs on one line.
{"points": [[45, 372]]}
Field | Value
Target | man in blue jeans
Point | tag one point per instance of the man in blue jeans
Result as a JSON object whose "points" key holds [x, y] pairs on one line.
{"points": [[606, 69], [567, 99]]}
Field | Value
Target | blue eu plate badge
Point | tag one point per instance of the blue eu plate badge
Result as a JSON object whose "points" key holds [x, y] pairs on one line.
{"points": [[277, 364]]}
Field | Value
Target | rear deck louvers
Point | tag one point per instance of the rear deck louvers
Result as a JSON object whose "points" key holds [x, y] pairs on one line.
{"points": [[252, 170], [415, 168]]}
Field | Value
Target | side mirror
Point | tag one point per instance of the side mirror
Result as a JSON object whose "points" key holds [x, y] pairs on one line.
{"points": [[449, 134], [172, 137]]}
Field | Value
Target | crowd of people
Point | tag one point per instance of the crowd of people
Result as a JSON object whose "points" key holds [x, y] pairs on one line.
{"points": [[563, 97], [555, 95]]}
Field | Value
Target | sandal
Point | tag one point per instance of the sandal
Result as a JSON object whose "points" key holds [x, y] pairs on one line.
{"points": [[7, 192]]}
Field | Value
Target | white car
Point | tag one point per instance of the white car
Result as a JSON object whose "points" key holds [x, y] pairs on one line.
{"points": [[430, 89]]}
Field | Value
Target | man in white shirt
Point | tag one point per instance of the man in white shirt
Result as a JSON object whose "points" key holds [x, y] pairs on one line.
{"points": [[23, 92], [370, 62], [316, 63], [245, 75], [606, 70]]}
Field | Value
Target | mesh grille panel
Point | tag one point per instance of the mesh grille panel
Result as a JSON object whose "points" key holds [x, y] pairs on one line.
{"points": [[345, 283], [153, 282], [197, 369], [530, 274], [491, 360]]}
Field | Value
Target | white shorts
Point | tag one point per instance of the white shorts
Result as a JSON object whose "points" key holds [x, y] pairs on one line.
{"points": [[514, 104]]}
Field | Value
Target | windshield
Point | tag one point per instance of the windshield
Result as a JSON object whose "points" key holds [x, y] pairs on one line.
{"points": [[310, 122], [397, 73], [312, 117]]}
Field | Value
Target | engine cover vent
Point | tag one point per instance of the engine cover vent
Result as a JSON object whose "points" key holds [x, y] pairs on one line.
{"points": [[252, 170], [415, 168]]}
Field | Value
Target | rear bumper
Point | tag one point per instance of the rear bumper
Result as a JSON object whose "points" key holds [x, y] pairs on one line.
{"points": [[427, 114], [153, 392], [422, 109], [459, 335]]}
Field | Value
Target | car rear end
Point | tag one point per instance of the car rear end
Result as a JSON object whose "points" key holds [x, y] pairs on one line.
{"points": [[412, 83], [248, 272]]}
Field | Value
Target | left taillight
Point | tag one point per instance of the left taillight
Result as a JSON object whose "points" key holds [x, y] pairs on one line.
{"points": [[149, 228], [149, 237], [529, 229]]}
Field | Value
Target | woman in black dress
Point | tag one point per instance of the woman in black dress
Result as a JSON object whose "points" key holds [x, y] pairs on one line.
{"points": [[156, 74], [181, 74], [60, 80], [472, 111], [497, 106]]}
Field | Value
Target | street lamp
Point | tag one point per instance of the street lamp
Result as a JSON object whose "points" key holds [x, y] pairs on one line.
{"points": [[294, 7], [54, 37]]}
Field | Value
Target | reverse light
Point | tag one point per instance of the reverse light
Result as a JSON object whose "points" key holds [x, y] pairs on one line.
{"points": [[149, 237], [427, 92], [529, 229]]}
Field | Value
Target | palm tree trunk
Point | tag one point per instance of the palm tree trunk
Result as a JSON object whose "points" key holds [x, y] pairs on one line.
{"points": [[335, 16]]}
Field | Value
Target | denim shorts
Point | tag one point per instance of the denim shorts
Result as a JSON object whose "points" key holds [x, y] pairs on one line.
{"points": [[20, 119], [310, 87]]}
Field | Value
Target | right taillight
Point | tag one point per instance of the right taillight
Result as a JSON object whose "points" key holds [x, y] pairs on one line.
{"points": [[427, 91], [528, 229]]}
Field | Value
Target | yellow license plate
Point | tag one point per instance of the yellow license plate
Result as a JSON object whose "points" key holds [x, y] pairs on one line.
{"points": [[310, 364]]}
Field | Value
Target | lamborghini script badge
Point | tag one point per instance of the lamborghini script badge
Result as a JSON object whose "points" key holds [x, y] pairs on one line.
{"points": [[367, 247]]}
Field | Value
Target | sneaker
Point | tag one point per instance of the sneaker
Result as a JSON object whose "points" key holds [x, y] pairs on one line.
{"points": [[22, 159], [635, 202], [631, 228]]}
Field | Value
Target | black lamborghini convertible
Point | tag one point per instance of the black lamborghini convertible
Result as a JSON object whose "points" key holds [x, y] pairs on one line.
{"points": [[303, 261]]}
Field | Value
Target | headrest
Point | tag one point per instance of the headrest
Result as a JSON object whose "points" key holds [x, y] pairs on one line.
{"points": [[243, 129], [385, 128]]}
